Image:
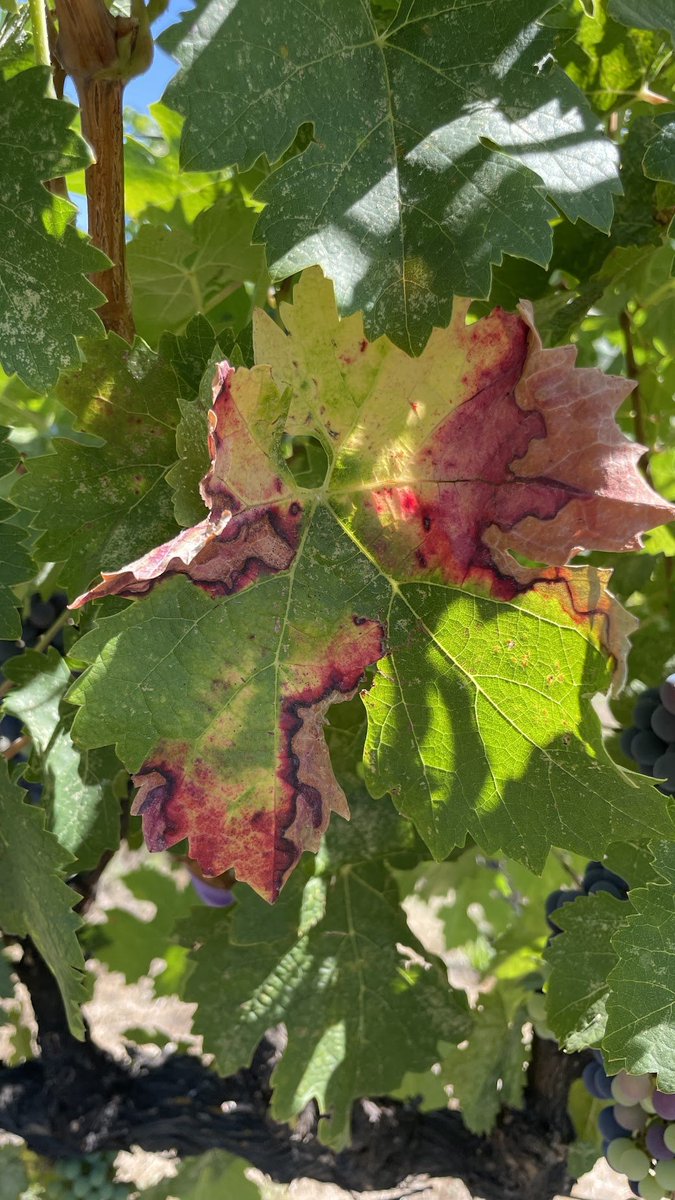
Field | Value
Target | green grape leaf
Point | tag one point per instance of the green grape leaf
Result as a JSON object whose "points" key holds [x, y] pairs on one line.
{"points": [[641, 1001], [346, 1037], [270, 609], [46, 299], [192, 443], [82, 811], [210, 1176], [13, 1174], [581, 958], [153, 181], [176, 273], [401, 205], [488, 1073], [34, 900], [659, 157], [16, 563], [98, 503], [608, 62], [128, 942], [644, 14]]}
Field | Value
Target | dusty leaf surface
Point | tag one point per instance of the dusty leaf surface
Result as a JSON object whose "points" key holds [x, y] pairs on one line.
{"points": [[453, 127], [45, 298]]}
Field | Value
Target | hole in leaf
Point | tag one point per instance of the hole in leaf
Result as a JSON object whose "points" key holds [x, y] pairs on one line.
{"points": [[306, 459]]}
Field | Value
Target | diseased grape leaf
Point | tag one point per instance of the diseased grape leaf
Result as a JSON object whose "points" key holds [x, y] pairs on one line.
{"points": [[100, 502], [488, 1073], [359, 1007], [34, 900], [46, 299], [177, 272], [581, 959], [640, 1035], [440, 468], [452, 128], [82, 811]]}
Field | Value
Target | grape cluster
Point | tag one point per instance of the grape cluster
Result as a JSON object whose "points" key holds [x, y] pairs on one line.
{"points": [[650, 741], [597, 878], [91, 1177], [638, 1128]]}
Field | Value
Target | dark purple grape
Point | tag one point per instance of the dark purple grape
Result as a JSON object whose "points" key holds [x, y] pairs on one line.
{"points": [[617, 880], [609, 1126], [214, 896], [589, 1076], [663, 724], [667, 693], [646, 747], [42, 614], [664, 768], [598, 1083], [606, 885], [34, 789], [627, 736], [10, 727], [646, 703], [655, 1143], [556, 901]]}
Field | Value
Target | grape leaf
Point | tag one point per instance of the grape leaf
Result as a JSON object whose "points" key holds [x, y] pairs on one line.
{"points": [[644, 14], [451, 129], [128, 942], [659, 158], [34, 900], [46, 299], [178, 272], [348, 1036], [581, 959], [16, 563], [210, 1176], [14, 1180], [153, 180], [82, 811], [100, 502], [489, 1072], [641, 1003], [607, 61], [404, 551], [192, 444]]}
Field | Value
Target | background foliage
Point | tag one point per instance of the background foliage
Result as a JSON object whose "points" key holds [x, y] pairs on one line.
{"points": [[496, 152]]}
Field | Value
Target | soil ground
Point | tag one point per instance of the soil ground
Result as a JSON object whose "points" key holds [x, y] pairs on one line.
{"points": [[117, 1006]]}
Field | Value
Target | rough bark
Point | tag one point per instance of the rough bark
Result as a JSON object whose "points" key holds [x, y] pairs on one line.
{"points": [[89, 49]]}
